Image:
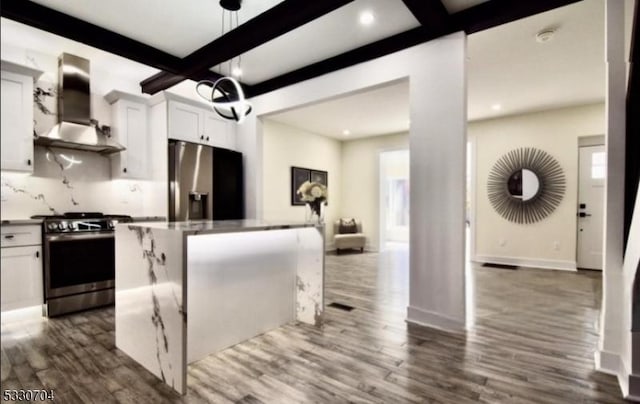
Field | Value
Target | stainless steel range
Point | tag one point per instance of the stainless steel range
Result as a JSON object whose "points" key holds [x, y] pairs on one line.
{"points": [[79, 261]]}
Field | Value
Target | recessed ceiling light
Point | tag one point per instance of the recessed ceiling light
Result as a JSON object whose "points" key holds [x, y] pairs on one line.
{"points": [[236, 72], [346, 132], [367, 18], [496, 107], [545, 35]]}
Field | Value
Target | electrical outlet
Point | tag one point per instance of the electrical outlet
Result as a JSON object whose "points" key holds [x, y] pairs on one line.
{"points": [[556, 245], [502, 242], [146, 243]]}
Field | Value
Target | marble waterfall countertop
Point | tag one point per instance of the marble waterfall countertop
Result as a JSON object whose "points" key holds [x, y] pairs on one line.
{"points": [[220, 226], [185, 290]]}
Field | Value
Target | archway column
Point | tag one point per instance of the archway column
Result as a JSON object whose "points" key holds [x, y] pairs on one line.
{"points": [[437, 143]]}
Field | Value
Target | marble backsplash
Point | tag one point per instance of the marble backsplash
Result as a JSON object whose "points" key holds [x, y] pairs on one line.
{"points": [[71, 180]]}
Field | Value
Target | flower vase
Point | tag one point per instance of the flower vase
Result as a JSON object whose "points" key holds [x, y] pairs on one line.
{"points": [[314, 212]]}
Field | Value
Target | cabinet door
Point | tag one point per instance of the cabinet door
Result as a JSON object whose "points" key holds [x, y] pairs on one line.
{"points": [[217, 131], [132, 133], [185, 122], [17, 122], [21, 269]]}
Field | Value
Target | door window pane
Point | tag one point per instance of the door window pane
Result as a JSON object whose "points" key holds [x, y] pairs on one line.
{"points": [[598, 165]]}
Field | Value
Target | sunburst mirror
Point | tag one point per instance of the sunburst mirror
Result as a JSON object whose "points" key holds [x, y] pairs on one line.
{"points": [[526, 185]]}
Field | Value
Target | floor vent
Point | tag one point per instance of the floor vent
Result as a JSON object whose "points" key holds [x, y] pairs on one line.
{"points": [[341, 306], [500, 266]]}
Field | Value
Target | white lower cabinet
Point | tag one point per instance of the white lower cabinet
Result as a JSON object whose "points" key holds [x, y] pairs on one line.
{"points": [[21, 269]]}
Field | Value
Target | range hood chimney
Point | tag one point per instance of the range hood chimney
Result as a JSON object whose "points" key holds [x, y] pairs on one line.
{"points": [[75, 129]]}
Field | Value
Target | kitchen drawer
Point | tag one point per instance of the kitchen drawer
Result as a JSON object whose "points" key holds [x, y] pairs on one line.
{"points": [[18, 236]]}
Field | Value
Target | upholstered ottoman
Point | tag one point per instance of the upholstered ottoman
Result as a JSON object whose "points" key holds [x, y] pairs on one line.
{"points": [[348, 234]]}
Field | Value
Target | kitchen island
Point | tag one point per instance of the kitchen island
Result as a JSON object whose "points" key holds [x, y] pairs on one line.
{"points": [[185, 290]]}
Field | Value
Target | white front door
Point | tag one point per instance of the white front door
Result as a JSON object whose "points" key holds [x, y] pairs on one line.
{"points": [[591, 206]]}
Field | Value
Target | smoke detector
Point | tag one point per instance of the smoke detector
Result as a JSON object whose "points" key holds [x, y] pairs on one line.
{"points": [[545, 35]]}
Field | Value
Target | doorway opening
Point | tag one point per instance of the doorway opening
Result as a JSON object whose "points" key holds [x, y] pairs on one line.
{"points": [[394, 200]]}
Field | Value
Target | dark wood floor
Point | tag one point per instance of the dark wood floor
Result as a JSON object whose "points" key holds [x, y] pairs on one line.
{"points": [[532, 342]]}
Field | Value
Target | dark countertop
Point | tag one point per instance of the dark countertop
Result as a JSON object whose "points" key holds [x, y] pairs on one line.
{"points": [[137, 219], [25, 222], [221, 226], [20, 222]]}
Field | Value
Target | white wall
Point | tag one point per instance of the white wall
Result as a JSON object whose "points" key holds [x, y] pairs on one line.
{"points": [[353, 168], [361, 181], [286, 146], [556, 132]]}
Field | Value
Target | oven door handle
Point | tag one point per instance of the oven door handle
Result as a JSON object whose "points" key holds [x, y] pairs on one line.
{"points": [[79, 236]]}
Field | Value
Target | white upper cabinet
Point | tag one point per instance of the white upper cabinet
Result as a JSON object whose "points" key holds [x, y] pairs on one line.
{"points": [[17, 117], [218, 132], [196, 124], [186, 122], [129, 128]]}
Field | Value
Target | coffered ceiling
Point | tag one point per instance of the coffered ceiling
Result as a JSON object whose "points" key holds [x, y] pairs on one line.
{"points": [[159, 43], [281, 42], [508, 72]]}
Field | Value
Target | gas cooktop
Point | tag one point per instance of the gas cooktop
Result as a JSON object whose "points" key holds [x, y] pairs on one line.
{"points": [[76, 222]]}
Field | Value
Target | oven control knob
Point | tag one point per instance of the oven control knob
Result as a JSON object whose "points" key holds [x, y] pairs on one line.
{"points": [[112, 224], [73, 226], [62, 226], [52, 226]]}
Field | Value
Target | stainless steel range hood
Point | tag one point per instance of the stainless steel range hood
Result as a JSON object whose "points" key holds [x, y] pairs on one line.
{"points": [[75, 129]]}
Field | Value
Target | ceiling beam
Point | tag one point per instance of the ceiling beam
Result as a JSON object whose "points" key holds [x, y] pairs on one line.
{"points": [[290, 14], [432, 14], [497, 12], [47, 19], [163, 80], [278, 20]]}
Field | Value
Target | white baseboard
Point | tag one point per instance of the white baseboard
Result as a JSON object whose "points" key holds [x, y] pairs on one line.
{"points": [[434, 320], [560, 265], [26, 314], [608, 362], [611, 364]]}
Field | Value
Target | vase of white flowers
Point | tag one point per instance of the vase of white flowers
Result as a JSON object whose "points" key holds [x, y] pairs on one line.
{"points": [[314, 195]]}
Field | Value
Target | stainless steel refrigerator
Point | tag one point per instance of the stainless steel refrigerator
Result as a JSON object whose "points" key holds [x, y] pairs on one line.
{"points": [[204, 182]]}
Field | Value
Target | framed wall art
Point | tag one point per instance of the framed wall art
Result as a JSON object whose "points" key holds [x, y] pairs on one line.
{"points": [[298, 176]]}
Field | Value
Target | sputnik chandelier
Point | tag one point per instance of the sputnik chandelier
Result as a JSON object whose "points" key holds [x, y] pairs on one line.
{"points": [[225, 94]]}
